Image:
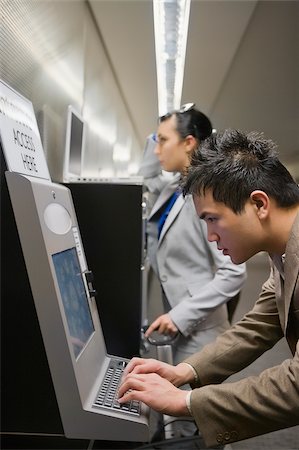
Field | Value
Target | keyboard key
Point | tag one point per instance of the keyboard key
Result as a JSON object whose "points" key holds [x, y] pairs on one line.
{"points": [[107, 395]]}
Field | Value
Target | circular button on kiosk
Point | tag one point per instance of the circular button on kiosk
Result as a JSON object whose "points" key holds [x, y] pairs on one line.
{"points": [[57, 218]]}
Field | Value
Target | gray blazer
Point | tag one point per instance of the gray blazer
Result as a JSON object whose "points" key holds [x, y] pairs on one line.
{"points": [[259, 404], [196, 277]]}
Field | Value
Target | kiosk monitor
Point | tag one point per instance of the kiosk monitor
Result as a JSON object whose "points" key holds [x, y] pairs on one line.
{"points": [[84, 376], [74, 145]]}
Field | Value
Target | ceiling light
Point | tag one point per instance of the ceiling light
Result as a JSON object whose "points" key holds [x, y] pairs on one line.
{"points": [[171, 19]]}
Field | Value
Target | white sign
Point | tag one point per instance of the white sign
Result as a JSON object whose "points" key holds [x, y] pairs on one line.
{"points": [[20, 136]]}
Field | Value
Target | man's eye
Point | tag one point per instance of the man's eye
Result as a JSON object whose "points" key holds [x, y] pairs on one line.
{"points": [[210, 219]]}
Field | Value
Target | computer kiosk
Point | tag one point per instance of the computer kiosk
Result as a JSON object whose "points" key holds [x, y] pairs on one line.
{"points": [[85, 377]]}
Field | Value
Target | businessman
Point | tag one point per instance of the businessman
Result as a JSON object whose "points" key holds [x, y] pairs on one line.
{"points": [[250, 203]]}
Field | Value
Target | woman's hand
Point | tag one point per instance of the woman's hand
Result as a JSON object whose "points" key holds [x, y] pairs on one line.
{"points": [[163, 324]]}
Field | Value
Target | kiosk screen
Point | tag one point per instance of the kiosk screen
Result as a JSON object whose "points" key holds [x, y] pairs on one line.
{"points": [[74, 298]]}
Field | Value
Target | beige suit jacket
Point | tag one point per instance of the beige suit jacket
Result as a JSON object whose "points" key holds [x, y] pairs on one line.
{"points": [[256, 405]]}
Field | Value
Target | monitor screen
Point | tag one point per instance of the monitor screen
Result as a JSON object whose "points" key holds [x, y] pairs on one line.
{"points": [[76, 136], [74, 298], [75, 143]]}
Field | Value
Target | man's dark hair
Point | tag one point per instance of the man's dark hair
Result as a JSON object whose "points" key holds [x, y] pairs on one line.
{"points": [[233, 164]]}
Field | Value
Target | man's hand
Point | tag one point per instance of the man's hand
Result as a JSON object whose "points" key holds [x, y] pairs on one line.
{"points": [[177, 375], [154, 391], [163, 324]]}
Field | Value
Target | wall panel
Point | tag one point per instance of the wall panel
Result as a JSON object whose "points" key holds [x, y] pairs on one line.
{"points": [[52, 53]]}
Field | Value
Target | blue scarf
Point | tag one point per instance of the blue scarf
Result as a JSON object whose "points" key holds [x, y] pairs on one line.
{"points": [[166, 211]]}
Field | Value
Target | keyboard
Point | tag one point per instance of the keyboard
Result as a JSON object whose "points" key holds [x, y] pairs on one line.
{"points": [[107, 395]]}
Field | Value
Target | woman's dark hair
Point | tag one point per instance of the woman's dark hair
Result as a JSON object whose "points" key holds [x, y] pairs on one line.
{"points": [[191, 122]]}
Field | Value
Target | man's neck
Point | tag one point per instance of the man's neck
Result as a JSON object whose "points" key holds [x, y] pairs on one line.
{"points": [[282, 221]]}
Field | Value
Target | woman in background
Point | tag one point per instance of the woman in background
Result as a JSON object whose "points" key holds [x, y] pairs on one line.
{"points": [[197, 280]]}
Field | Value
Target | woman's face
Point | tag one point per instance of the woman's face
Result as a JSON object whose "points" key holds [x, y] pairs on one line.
{"points": [[173, 151]]}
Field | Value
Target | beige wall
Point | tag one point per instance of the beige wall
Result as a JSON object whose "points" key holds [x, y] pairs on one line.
{"points": [[52, 53]]}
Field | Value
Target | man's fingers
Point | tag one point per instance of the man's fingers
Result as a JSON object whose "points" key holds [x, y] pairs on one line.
{"points": [[133, 382], [140, 366]]}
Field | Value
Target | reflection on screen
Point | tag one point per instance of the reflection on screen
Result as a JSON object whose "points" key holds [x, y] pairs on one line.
{"points": [[76, 145], [74, 298]]}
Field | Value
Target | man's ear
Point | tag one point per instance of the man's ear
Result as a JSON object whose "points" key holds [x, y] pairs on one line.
{"points": [[262, 203]]}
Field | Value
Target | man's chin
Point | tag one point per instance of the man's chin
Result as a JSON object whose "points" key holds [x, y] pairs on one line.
{"points": [[237, 260]]}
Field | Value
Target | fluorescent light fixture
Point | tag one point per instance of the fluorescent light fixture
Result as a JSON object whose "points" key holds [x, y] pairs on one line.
{"points": [[171, 20]]}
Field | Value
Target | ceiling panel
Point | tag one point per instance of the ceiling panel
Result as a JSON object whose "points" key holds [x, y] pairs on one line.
{"points": [[127, 30], [242, 64]]}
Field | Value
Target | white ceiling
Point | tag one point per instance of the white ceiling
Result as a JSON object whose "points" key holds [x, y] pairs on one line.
{"points": [[242, 65]]}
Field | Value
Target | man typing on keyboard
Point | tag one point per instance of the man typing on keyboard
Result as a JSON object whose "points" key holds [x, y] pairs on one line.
{"points": [[250, 203]]}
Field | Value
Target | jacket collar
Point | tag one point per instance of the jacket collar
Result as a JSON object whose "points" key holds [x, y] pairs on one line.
{"points": [[165, 194], [172, 215], [291, 264], [291, 267]]}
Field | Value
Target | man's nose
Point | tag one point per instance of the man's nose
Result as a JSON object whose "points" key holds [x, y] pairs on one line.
{"points": [[212, 236]]}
